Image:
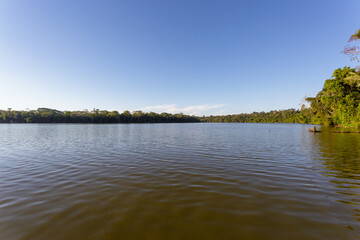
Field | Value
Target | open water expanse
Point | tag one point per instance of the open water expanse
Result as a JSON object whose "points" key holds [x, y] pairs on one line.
{"points": [[178, 181]]}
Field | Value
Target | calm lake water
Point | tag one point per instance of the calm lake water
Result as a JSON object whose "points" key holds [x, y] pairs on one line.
{"points": [[178, 181]]}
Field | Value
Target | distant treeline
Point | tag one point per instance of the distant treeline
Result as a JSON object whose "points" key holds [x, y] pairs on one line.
{"points": [[281, 116], [46, 115], [337, 104]]}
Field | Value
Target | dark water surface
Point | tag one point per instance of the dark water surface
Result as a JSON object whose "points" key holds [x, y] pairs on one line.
{"points": [[178, 181]]}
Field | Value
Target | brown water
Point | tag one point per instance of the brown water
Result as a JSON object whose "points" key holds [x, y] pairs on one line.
{"points": [[178, 181]]}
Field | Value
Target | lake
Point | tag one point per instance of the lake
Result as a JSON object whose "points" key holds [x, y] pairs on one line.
{"points": [[178, 181]]}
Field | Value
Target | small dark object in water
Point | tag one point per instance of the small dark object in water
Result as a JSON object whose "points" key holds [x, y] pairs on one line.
{"points": [[313, 130]]}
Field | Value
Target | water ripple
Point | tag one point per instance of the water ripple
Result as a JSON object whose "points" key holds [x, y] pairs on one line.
{"points": [[177, 181]]}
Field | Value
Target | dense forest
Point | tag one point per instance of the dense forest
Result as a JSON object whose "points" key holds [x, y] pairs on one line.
{"points": [[46, 115], [282, 116], [337, 104]]}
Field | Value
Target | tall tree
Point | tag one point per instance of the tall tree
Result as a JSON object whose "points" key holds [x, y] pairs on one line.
{"points": [[338, 103]]}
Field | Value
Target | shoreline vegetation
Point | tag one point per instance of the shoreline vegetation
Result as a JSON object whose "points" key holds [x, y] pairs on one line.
{"points": [[47, 115], [337, 104]]}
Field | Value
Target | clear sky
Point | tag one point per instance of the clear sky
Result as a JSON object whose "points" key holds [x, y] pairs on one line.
{"points": [[190, 56]]}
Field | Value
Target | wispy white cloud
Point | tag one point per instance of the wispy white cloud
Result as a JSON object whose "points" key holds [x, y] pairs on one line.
{"points": [[190, 110]]}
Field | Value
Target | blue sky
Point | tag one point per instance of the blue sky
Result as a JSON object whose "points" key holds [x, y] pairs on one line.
{"points": [[196, 57]]}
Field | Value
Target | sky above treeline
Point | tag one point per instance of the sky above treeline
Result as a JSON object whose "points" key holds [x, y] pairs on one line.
{"points": [[198, 57]]}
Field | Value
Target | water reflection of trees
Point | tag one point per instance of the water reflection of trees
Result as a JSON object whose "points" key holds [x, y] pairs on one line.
{"points": [[340, 154]]}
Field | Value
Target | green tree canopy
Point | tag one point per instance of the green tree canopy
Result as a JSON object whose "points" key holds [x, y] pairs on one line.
{"points": [[338, 103]]}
